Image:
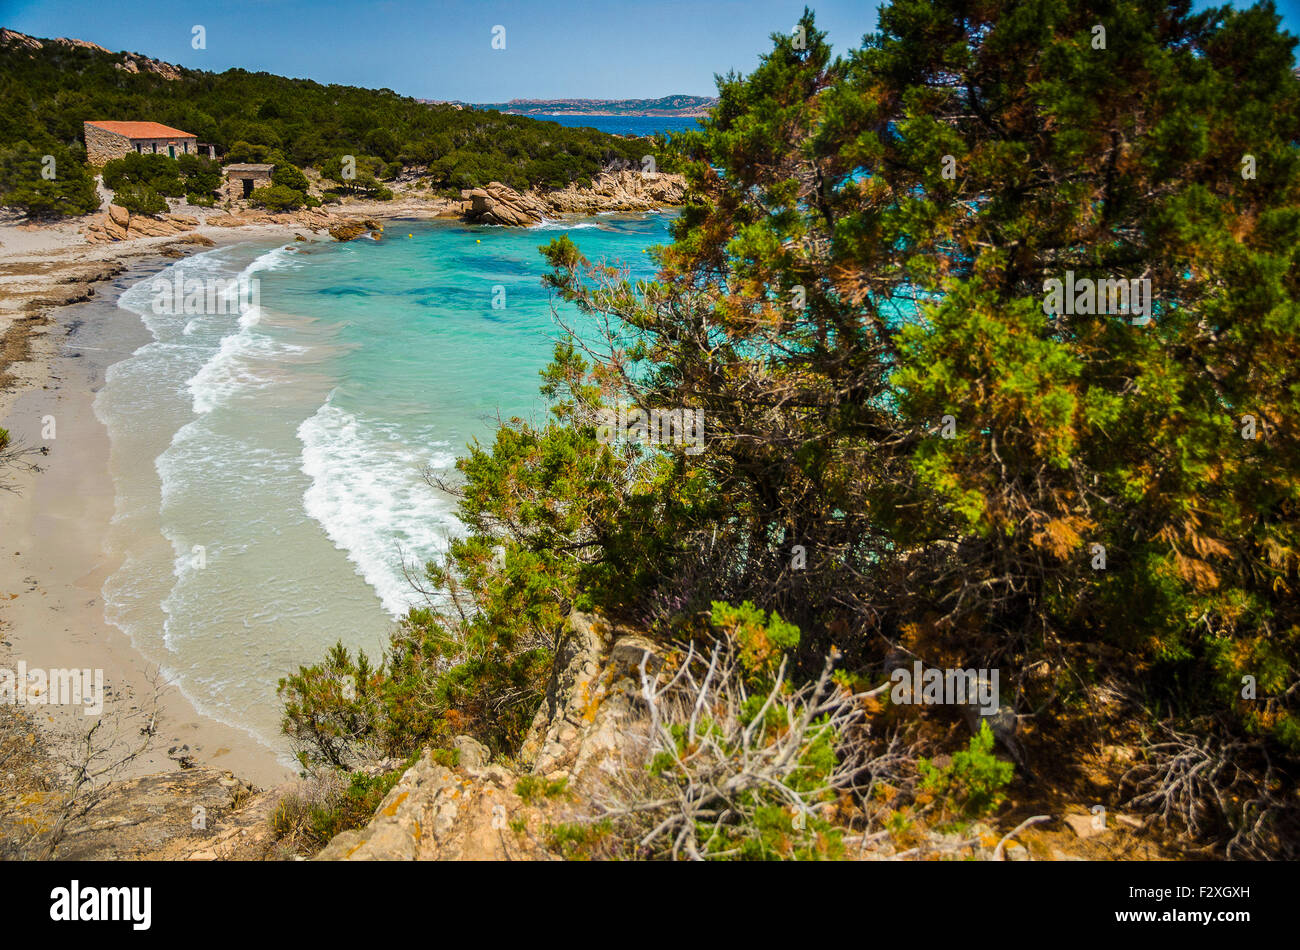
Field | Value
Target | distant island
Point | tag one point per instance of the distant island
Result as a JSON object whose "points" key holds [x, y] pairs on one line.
{"points": [[682, 106]]}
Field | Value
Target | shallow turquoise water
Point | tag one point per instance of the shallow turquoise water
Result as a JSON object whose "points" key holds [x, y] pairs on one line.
{"points": [[268, 465]]}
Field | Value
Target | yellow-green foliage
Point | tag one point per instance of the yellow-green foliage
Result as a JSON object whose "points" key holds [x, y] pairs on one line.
{"points": [[761, 640], [972, 784], [578, 841], [534, 788]]}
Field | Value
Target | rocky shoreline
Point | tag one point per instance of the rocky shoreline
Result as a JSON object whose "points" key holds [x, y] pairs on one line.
{"points": [[614, 192], [48, 266], [622, 192]]}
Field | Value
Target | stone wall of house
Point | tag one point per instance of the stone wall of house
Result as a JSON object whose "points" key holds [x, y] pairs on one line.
{"points": [[102, 146], [184, 146], [234, 187]]}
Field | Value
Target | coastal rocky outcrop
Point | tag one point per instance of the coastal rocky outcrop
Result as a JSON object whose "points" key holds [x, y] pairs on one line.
{"points": [[472, 811], [592, 722], [351, 230], [191, 814], [500, 204], [118, 224], [311, 219], [617, 191], [623, 191]]}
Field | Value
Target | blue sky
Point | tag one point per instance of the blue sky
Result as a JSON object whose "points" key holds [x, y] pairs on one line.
{"points": [[441, 49]]}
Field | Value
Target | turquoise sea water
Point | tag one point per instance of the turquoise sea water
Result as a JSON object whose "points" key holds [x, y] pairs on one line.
{"points": [[269, 464]]}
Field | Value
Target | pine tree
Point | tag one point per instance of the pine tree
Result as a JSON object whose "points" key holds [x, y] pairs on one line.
{"points": [[858, 298]]}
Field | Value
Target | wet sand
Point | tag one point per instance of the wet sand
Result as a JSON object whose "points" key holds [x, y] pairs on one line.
{"points": [[54, 559]]}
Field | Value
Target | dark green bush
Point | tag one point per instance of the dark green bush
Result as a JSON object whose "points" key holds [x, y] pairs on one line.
{"points": [[973, 783], [140, 199], [173, 177], [278, 198], [290, 176], [24, 184]]}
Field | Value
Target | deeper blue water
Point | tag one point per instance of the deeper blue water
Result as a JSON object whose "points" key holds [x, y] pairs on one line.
{"points": [[625, 124]]}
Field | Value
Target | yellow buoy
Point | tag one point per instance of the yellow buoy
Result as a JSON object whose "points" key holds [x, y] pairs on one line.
{"points": [[477, 241]]}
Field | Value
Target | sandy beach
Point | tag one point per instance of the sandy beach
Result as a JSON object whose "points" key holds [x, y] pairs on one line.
{"points": [[54, 524]]}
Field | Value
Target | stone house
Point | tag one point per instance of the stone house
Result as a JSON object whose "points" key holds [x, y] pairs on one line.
{"points": [[106, 141], [242, 179]]}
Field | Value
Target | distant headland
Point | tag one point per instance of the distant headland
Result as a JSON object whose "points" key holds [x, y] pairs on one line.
{"points": [[677, 105]]}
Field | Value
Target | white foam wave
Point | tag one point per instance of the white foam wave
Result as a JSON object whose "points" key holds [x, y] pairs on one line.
{"points": [[368, 494], [546, 224], [235, 368], [281, 258], [139, 297]]}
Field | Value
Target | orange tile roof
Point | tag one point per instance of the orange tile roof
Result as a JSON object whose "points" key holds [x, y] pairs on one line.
{"points": [[143, 130]]}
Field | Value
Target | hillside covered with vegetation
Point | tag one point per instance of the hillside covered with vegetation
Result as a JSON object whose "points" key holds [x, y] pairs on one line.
{"points": [[48, 91], [906, 457], [664, 105]]}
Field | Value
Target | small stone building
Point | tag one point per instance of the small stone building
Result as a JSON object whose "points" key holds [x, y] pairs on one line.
{"points": [[106, 141], [242, 179]]}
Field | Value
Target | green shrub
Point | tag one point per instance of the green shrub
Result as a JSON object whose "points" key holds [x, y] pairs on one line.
{"points": [[447, 758], [761, 640], [532, 788], [290, 176], [169, 186], [277, 198], [135, 168], [173, 177], [972, 784], [200, 174], [25, 187], [140, 199], [332, 709], [308, 821], [242, 153], [577, 841], [355, 807]]}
